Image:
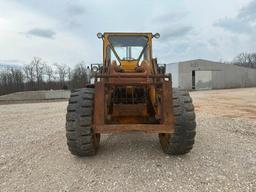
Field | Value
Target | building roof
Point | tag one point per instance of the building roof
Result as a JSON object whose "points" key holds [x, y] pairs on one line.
{"points": [[201, 61]]}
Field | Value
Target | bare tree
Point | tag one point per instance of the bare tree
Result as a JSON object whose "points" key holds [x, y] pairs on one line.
{"points": [[62, 71], [245, 60], [253, 58], [17, 78], [79, 76], [69, 73], [49, 73], [38, 75], [11, 80], [39, 66], [4, 82], [29, 72]]}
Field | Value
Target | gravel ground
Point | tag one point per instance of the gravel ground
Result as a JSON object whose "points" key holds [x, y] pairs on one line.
{"points": [[34, 155]]}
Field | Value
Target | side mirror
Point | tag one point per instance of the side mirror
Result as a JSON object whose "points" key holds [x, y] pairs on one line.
{"points": [[156, 35], [100, 35]]}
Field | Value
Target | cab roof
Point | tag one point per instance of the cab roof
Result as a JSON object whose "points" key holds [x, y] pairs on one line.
{"points": [[127, 33]]}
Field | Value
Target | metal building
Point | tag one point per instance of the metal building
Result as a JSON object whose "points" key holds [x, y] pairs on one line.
{"points": [[202, 74]]}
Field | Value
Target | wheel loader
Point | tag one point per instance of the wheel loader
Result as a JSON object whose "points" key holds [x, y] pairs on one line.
{"points": [[131, 92]]}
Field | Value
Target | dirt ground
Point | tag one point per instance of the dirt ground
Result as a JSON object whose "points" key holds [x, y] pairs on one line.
{"points": [[34, 155]]}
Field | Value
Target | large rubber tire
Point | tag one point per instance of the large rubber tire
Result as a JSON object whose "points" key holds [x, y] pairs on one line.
{"points": [[80, 137], [182, 140]]}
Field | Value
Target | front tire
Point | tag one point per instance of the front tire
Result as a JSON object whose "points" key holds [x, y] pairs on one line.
{"points": [[81, 139], [182, 140]]}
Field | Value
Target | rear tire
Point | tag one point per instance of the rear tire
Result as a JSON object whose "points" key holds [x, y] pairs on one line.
{"points": [[182, 140], [81, 139]]}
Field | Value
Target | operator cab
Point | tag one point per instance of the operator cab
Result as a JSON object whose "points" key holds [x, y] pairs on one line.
{"points": [[127, 51]]}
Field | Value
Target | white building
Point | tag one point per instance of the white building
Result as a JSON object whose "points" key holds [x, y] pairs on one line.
{"points": [[202, 74]]}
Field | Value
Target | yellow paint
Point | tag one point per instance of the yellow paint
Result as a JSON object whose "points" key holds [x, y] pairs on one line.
{"points": [[129, 65]]}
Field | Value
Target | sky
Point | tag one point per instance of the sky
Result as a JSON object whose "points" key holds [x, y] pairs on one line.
{"points": [[64, 31]]}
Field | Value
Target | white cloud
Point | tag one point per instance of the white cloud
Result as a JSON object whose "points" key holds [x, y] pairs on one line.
{"points": [[39, 32], [244, 22], [187, 27], [18, 22]]}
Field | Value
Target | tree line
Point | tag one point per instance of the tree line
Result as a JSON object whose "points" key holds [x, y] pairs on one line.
{"points": [[38, 75], [245, 60]]}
